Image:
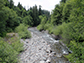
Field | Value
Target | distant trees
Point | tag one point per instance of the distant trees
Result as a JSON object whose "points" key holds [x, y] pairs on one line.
{"points": [[40, 10], [11, 16], [64, 1], [16, 19]]}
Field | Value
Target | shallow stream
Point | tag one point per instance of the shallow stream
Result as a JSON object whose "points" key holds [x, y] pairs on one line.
{"points": [[56, 46]]}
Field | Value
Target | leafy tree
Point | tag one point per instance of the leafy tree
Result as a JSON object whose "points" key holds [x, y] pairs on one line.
{"points": [[11, 3], [43, 22], [3, 17], [46, 13], [22, 31], [56, 17], [28, 20], [11, 18]]}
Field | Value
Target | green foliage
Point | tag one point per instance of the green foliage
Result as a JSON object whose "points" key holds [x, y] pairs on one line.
{"points": [[22, 31], [43, 22], [28, 20], [64, 1], [9, 50], [56, 17], [46, 26], [1, 4], [59, 29], [15, 43], [40, 27], [78, 52], [67, 20], [8, 20]]}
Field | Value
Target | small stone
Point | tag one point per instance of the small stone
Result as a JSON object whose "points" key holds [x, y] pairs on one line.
{"points": [[50, 51], [26, 42], [54, 53], [47, 51], [48, 61], [42, 61], [43, 41], [40, 49]]}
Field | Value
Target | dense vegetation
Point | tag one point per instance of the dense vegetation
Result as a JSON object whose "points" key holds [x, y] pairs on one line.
{"points": [[22, 31], [13, 20], [67, 20]]}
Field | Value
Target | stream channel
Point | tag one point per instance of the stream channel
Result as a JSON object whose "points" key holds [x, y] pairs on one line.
{"points": [[56, 51]]}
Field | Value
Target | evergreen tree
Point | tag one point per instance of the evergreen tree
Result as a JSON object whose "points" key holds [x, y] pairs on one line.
{"points": [[11, 3], [63, 1], [40, 11]]}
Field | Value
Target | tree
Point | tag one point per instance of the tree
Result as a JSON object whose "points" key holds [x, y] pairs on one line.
{"points": [[63, 1], [56, 16], [35, 16], [3, 17], [40, 11], [19, 6], [11, 4], [28, 20]]}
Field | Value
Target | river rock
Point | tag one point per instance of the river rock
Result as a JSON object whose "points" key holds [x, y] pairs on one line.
{"points": [[39, 50], [42, 62]]}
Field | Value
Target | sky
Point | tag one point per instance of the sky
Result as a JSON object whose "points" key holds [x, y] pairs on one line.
{"points": [[46, 4]]}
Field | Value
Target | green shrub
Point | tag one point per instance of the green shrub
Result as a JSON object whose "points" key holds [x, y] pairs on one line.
{"points": [[51, 29], [22, 31], [40, 27], [78, 52], [16, 44], [10, 47], [46, 26], [58, 30], [7, 53]]}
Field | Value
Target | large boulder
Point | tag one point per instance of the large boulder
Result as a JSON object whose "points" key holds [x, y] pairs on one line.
{"points": [[56, 37]]}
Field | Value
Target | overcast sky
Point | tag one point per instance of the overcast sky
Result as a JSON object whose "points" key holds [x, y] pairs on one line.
{"points": [[46, 4]]}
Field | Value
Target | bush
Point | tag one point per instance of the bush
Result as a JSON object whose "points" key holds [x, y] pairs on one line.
{"points": [[10, 47], [78, 52], [40, 27], [51, 29], [46, 26], [22, 31], [58, 30], [7, 53], [16, 44]]}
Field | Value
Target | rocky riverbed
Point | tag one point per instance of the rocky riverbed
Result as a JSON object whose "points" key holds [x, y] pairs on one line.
{"points": [[42, 48]]}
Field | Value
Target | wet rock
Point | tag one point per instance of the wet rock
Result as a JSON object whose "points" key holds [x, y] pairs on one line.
{"points": [[48, 60], [50, 51], [42, 61], [56, 37], [39, 50]]}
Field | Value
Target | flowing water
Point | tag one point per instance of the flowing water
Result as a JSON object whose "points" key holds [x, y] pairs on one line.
{"points": [[58, 47]]}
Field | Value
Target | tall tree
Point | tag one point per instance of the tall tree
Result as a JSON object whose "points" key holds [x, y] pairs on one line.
{"points": [[40, 11], [11, 3], [63, 1], [56, 16], [35, 16]]}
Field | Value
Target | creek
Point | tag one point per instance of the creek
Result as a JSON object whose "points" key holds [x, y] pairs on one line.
{"points": [[49, 49]]}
